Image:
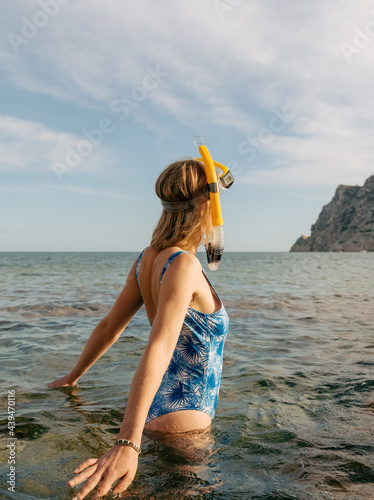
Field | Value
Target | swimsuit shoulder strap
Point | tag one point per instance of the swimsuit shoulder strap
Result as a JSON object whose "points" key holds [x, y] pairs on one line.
{"points": [[138, 266], [211, 285], [169, 261]]}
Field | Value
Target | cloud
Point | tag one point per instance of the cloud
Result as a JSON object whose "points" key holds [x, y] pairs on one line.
{"points": [[91, 52], [333, 149], [228, 72], [33, 147], [38, 188], [97, 50], [26, 145]]}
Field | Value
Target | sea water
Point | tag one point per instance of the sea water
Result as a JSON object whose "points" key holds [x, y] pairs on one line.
{"points": [[295, 416]]}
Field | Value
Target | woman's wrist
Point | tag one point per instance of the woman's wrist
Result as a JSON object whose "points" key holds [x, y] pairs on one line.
{"points": [[134, 436], [130, 436], [72, 379], [131, 444]]}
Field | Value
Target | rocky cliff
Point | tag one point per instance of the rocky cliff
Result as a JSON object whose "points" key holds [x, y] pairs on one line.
{"points": [[346, 224]]}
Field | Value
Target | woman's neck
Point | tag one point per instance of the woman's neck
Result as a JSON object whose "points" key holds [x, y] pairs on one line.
{"points": [[187, 247]]}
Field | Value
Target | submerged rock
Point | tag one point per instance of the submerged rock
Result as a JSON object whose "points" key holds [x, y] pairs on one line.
{"points": [[346, 224]]}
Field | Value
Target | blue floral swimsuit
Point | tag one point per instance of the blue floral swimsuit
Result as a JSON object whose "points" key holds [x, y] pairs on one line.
{"points": [[192, 379]]}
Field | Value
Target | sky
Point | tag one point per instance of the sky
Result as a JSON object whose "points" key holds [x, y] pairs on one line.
{"points": [[97, 98]]}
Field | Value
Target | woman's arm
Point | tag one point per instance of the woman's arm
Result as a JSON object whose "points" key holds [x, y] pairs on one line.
{"points": [[176, 291], [107, 331]]}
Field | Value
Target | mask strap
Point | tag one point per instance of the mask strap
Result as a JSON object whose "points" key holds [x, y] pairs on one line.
{"points": [[180, 206], [176, 206]]}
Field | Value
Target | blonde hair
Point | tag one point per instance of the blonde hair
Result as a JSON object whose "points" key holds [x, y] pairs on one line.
{"points": [[182, 181]]}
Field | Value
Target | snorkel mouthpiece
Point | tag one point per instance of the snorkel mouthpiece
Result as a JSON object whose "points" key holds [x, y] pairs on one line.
{"points": [[214, 245], [214, 248]]}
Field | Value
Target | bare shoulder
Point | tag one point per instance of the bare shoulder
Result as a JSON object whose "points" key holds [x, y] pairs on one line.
{"points": [[149, 255], [179, 282], [185, 265], [189, 263]]}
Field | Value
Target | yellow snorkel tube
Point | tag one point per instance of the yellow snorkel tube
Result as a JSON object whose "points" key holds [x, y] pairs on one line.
{"points": [[215, 241]]}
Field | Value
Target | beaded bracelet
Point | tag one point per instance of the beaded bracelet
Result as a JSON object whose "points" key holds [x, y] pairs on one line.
{"points": [[126, 442]]}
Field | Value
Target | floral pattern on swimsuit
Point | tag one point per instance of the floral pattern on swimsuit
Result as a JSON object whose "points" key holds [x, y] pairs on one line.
{"points": [[192, 379]]}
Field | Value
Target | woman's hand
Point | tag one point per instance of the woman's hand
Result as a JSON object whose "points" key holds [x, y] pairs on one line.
{"points": [[120, 462], [65, 381]]}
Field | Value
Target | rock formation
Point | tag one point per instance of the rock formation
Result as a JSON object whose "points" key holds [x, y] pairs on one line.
{"points": [[346, 224]]}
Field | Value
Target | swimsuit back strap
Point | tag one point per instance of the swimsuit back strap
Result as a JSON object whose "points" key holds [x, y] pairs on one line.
{"points": [[169, 261], [138, 266]]}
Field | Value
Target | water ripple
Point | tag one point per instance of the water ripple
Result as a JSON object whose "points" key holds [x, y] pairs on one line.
{"points": [[296, 408]]}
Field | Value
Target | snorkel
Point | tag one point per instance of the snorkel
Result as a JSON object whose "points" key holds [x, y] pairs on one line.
{"points": [[215, 241]]}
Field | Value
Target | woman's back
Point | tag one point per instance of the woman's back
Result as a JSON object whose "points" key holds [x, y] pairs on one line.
{"points": [[151, 267], [188, 393]]}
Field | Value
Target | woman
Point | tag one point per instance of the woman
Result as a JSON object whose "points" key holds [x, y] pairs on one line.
{"points": [[175, 387]]}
